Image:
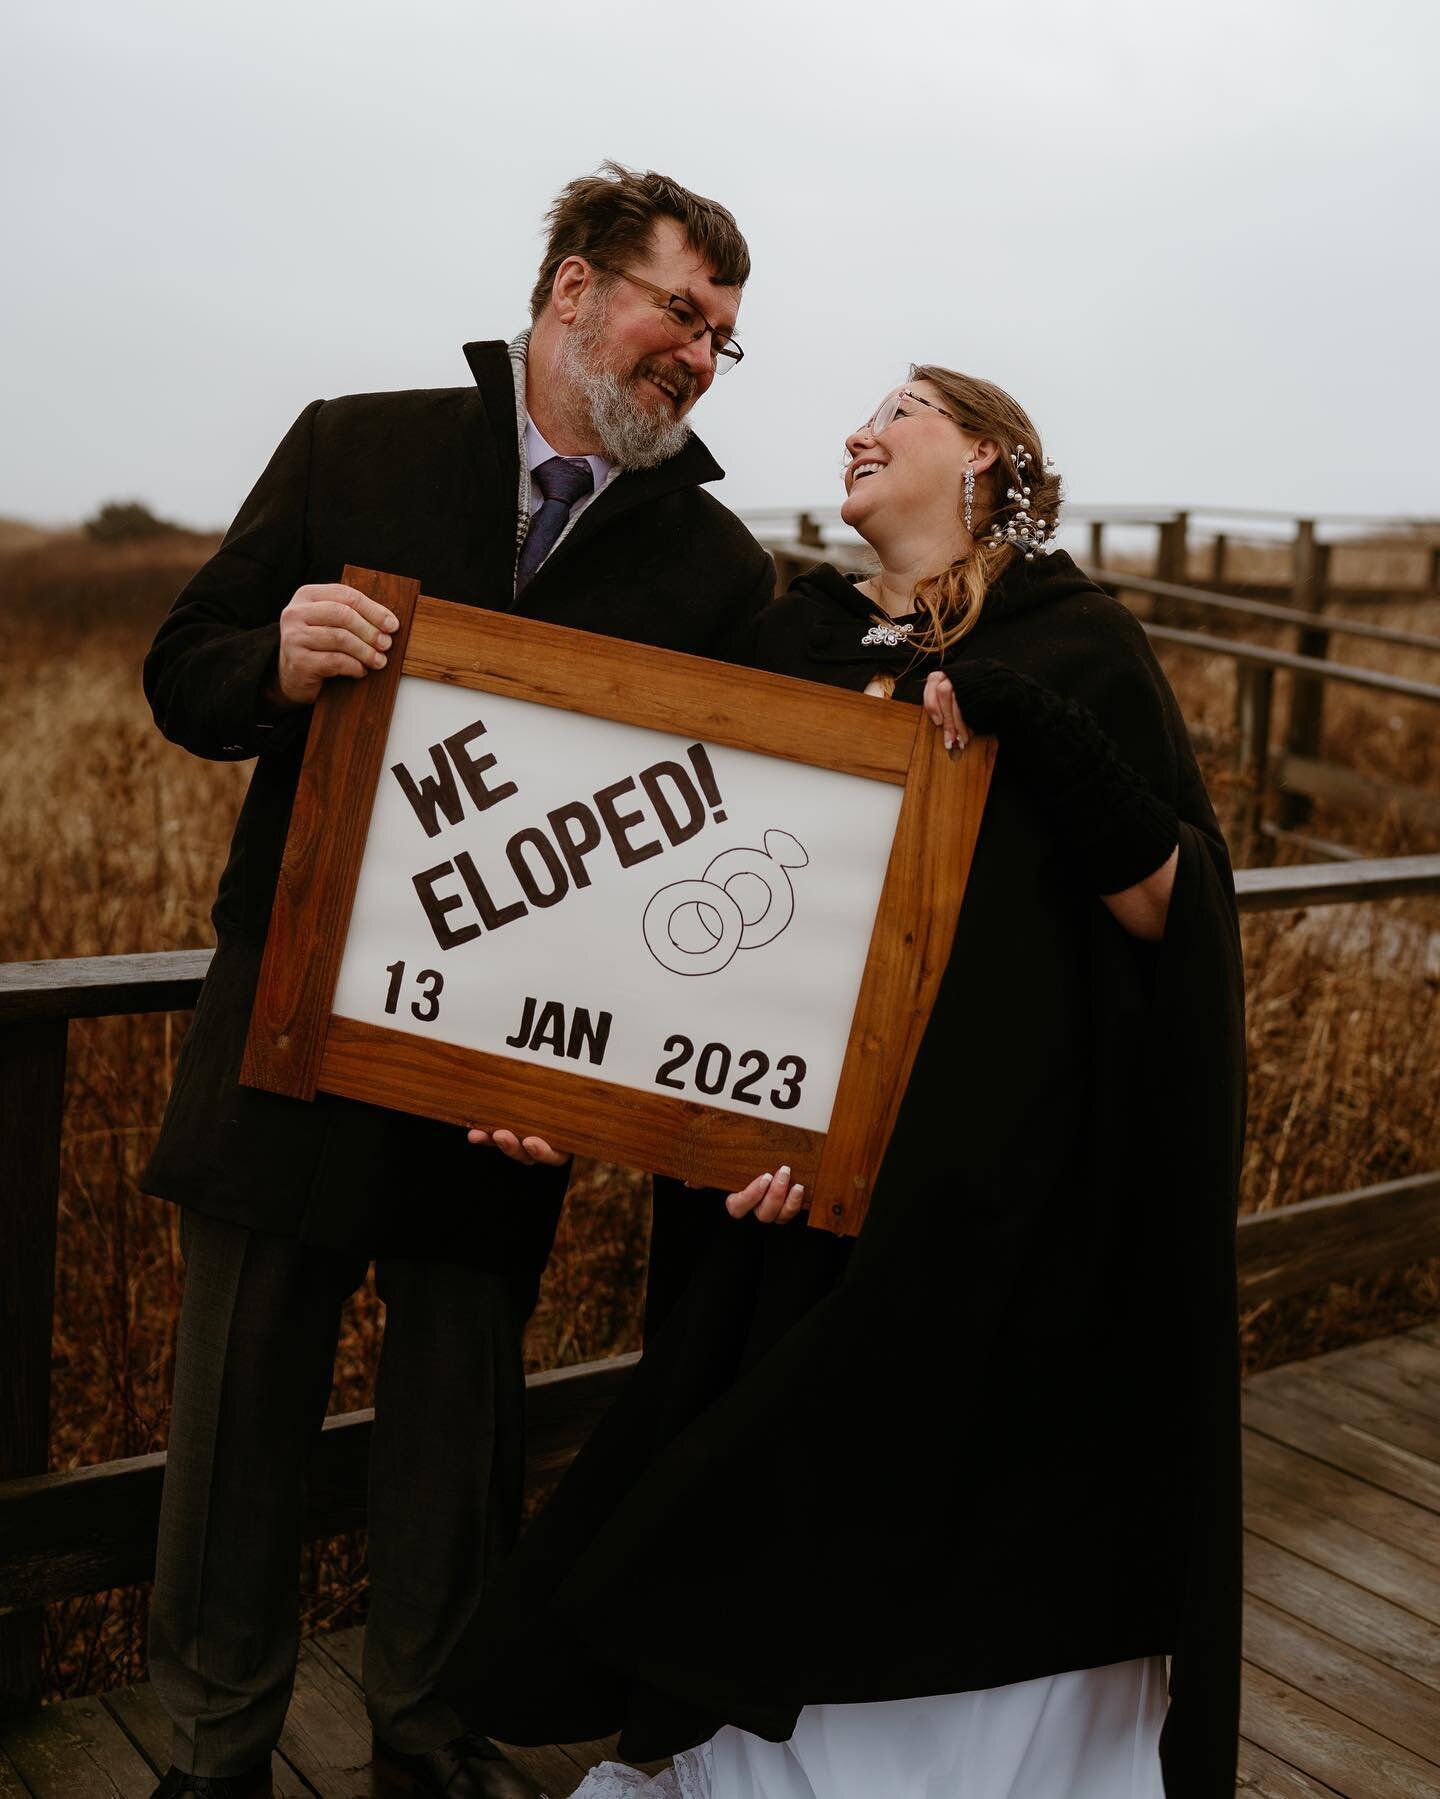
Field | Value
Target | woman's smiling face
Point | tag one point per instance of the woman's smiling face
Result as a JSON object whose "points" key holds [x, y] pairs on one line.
{"points": [[913, 465]]}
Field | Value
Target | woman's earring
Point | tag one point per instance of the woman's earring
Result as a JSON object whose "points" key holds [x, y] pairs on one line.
{"points": [[969, 495]]}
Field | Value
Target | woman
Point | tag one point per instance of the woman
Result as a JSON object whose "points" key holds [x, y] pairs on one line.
{"points": [[921, 1514]]}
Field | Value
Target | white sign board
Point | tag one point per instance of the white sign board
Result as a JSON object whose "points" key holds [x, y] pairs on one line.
{"points": [[670, 916]]}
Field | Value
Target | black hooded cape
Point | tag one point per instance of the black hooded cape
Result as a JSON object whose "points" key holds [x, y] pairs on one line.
{"points": [[996, 1437]]}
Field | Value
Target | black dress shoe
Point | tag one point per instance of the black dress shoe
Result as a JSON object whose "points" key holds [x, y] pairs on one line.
{"points": [[216, 1786], [469, 1768]]}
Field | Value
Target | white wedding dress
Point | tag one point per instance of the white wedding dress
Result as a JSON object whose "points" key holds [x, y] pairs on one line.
{"points": [[1093, 1734]]}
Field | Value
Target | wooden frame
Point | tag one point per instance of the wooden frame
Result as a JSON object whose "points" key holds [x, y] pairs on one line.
{"points": [[297, 1047]]}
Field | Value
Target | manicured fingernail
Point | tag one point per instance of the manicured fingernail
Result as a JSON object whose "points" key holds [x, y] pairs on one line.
{"points": [[764, 1177], [949, 741], [783, 1172]]}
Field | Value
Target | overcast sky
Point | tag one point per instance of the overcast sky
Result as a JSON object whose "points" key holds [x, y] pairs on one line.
{"points": [[1197, 241]]}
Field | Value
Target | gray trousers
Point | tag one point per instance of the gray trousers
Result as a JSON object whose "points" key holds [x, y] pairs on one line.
{"points": [[254, 1365]]}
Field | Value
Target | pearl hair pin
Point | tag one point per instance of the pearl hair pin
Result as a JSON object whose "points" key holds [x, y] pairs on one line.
{"points": [[1025, 533]]}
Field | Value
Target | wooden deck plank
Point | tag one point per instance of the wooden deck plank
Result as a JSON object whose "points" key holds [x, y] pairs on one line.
{"points": [[1341, 1609], [1399, 1369], [1303, 1419], [326, 1738], [139, 1713], [1265, 1776], [346, 1648], [1316, 1483], [11, 1785], [1428, 1332], [1333, 1749], [1395, 1423], [1349, 1681], [78, 1751], [1336, 1544]]}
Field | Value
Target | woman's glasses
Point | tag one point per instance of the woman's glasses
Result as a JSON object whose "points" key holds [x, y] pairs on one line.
{"points": [[888, 410]]}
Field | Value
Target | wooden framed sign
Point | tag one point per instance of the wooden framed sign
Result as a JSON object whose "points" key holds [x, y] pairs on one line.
{"points": [[651, 907]]}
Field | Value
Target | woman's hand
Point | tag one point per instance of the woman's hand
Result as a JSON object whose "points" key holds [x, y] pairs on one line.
{"points": [[525, 1150], [943, 711], [771, 1197]]}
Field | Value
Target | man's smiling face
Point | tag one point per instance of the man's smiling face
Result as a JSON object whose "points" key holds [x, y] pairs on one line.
{"points": [[636, 379]]}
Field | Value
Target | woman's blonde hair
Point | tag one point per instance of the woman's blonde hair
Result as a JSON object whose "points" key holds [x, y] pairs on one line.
{"points": [[953, 599]]}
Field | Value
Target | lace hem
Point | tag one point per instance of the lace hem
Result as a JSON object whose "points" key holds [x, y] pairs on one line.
{"points": [[688, 1779]]}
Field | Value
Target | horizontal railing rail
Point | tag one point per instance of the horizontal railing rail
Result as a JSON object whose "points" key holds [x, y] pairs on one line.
{"points": [[1332, 884], [1119, 582], [1258, 656]]}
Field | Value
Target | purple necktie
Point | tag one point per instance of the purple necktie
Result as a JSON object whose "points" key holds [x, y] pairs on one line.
{"points": [[563, 480]]}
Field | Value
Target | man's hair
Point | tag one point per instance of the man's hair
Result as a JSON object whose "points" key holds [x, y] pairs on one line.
{"points": [[610, 217]]}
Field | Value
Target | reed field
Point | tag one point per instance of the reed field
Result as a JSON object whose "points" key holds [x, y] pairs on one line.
{"points": [[113, 839]]}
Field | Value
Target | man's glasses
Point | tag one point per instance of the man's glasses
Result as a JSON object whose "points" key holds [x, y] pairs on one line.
{"points": [[683, 319]]}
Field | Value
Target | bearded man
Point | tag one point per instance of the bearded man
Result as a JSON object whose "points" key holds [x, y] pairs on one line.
{"points": [[563, 485]]}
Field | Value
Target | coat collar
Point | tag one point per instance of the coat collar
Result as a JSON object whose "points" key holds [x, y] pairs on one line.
{"points": [[691, 466], [842, 616]]}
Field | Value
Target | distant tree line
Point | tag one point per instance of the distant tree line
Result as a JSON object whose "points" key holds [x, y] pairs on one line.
{"points": [[122, 521]]}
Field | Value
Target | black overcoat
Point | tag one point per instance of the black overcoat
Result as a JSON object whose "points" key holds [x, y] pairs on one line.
{"points": [[998, 1438], [422, 483]]}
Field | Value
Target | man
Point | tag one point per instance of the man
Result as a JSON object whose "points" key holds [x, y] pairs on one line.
{"points": [[564, 485]]}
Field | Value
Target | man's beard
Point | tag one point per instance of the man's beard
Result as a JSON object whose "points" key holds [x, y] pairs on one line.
{"points": [[631, 434]]}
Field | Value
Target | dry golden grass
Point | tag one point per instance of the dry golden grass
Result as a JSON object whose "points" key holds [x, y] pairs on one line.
{"points": [[113, 841]]}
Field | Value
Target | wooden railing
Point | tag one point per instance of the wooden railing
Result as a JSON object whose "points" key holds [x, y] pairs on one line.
{"points": [[87, 1529]]}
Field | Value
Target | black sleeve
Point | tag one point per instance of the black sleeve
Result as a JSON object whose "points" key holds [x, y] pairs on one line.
{"points": [[216, 652], [1109, 816], [738, 639]]}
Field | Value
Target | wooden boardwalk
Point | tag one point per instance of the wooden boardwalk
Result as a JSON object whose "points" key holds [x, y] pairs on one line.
{"points": [[1342, 1639]]}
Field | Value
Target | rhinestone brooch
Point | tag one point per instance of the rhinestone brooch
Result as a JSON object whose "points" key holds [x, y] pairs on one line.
{"points": [[891, 636]]}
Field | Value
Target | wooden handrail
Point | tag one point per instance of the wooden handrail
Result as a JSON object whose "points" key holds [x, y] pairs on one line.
{"points": [[1266, 609], [1317, 1240], [1336, 883], [1314, 666], [166, 980]]}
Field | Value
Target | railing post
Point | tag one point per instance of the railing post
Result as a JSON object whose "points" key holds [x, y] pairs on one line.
{"points": [[1307, 694], [1171, 565], [1097, 543], [808, 532], [1217, 566], [32, 1095], [1254, 692], [1435, 570]]}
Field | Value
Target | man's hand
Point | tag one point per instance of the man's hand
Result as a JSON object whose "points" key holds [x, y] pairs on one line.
{"points": [[525, 1150], [770, 1197], [329, 630]]}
